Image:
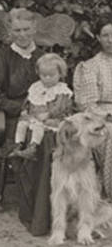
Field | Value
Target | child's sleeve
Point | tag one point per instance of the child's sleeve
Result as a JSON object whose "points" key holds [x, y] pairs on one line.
{"points": [[65, 105], [62, 105]]}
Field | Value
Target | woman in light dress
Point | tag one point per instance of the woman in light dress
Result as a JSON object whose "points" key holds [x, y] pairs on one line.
{"points": [[93, 92]]}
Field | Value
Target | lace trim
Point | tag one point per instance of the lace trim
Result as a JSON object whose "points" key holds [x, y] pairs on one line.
{"points": [[25, 53], [40, 95]]}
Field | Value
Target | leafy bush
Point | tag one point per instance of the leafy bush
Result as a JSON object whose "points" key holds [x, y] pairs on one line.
{"points": [[85, 14]]}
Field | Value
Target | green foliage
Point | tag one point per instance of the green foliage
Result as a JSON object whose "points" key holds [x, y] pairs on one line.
{"points": [[85, 14]]}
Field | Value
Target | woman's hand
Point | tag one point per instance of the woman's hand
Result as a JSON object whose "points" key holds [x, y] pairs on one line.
{"points": [[43, 116]]}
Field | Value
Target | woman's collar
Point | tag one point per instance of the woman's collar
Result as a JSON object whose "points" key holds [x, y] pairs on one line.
{"points": [[25, 53]]}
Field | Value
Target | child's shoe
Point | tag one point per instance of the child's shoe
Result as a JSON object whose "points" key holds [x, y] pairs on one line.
{"points": [[29, 152]]}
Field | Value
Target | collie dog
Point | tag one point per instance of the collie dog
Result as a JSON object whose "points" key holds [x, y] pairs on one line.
{"points": [[74, 182]]}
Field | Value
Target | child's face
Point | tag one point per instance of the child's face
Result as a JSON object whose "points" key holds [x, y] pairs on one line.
{"points": [[22, 32], [49, 75]]}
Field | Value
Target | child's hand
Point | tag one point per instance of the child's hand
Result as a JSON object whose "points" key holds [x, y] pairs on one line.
{"points": [[24, 113], [52, 122], [43, 116]]}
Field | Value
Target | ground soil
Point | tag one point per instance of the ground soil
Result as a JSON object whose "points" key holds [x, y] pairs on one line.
{"points": [[14, 234]]}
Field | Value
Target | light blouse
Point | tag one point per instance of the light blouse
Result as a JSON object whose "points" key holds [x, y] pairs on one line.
{"points": [[93, 83]]}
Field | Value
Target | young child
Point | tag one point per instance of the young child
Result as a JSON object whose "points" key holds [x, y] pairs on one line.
{"points": [[49, 100]]}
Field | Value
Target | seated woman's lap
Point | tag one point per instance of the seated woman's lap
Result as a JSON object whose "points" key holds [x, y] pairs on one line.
{"points": [[34, 178]]}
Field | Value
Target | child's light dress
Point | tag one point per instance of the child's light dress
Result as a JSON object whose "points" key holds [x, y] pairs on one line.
{"points": [[38, 114]]}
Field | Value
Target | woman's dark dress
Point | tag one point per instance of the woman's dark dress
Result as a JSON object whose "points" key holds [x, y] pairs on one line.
{"points": [[35, 189], [16, 75]]}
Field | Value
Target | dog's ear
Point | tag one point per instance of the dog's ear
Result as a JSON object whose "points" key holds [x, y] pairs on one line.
{"points": [[66, 131]]}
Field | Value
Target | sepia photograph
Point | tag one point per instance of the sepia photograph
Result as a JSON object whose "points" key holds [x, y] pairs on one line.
{"points": [[55, 123]]}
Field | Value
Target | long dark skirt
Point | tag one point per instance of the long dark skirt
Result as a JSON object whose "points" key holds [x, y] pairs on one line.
{"points": [[34, 179]]}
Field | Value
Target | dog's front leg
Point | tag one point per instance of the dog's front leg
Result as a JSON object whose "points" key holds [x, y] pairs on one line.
{"points": [[84, 234], [85, 225], [59, 208]]}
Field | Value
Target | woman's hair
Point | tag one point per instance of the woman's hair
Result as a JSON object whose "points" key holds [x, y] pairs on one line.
{"points": [[102, 21], [52, 59], [21, 14]]}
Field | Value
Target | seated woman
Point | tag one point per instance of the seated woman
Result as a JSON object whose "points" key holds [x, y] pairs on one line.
{"points": [[93, 92], [49, 101], [17, 73], [17, 68]]}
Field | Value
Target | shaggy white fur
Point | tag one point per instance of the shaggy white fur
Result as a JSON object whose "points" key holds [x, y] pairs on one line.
{"points": [[74, 181]]}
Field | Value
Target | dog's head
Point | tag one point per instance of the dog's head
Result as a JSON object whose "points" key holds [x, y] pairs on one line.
{"points": [[86, 129]]}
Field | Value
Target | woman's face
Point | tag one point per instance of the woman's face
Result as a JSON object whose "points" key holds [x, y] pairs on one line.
{"points": [[22, 32], [105, 38]]}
